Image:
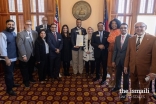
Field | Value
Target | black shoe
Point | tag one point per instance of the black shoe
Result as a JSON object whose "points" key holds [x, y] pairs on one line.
{"points": [[102, 82], [58, 79], [26, 84], [123, 97], [115, 90], [154, 96], [96, 79], [32, 80], [12, 93], [16, 85], [68, 74]]}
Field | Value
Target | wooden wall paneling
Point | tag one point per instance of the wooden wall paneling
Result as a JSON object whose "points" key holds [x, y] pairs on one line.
{"points": [[26, 10], [135, 12], [49, 10], [4, 15], [4, 6]]}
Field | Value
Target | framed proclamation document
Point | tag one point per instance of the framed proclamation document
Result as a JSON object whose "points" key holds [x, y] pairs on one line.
{"points": [[79, 40]]}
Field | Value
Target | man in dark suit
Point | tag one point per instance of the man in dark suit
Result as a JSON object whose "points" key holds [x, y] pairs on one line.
{"points": [[44, 25], [25, 43], [141, 59], [118, 58], [55, 42], [100, 44], [77, 51]]}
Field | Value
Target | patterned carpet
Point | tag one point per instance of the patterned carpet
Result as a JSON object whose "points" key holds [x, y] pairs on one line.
{"points": [[68, 91]]}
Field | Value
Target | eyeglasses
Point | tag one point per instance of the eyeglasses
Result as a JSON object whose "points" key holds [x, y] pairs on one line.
{"points": [[139, 27]]}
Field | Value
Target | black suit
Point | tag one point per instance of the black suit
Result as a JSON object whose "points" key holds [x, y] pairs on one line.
{"points": [[55, 58], [119, 57], [40, 27], [42, 57], [74, 33], [100, 55]]}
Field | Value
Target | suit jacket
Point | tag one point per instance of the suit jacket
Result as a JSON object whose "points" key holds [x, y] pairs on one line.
{"points": [[24, 44], [95, 42], [53, 44], [144, 58], [38, 28], [74, 33], [40, 50], [120, 53]]}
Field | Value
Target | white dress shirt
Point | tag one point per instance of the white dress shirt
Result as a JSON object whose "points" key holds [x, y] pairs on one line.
{"points": [[142, 36], [3, 46], [124, 37], [46, 46]]}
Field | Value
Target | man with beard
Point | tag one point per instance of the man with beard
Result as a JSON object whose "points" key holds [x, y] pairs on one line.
{"points": [[25, 43], [8, 54]]}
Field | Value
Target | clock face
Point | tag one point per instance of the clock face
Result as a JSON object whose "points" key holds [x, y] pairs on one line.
{"points": [[82, 10]]}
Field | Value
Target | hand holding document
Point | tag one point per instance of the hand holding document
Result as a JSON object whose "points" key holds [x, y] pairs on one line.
{"points": [[79, 40]]}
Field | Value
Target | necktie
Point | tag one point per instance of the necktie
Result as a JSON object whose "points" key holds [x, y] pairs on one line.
{"points": [[138, 43], [122, 40], [32, 43], [45, 27], [55, 36], [30, 37], [101, 36]]}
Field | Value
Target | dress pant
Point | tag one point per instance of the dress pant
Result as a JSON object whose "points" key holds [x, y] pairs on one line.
{"points": [[43, 68], [66, 66], [150, 88], [77, 57], [119, 71], [8, 71], [55, 66], [137, 78], [27, 69], [104, 67], [92, 64]]}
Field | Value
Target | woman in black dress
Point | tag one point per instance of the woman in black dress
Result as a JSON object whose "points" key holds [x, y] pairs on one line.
{"points": [[41, 54], [66, 50]]}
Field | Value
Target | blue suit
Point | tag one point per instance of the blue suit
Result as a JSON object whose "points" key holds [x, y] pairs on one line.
{"points": [[55, 58]]}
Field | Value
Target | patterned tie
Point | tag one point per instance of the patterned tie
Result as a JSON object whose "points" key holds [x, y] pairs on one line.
{"points": [[55, 36], [138, 43], [122, 40]]}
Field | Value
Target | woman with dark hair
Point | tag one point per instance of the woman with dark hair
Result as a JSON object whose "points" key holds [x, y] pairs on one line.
{"points": [[66, 50], [114, 26], [41, 54]]}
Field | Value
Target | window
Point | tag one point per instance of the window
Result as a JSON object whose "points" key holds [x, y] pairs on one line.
{"points": [[16, 14], [124, 11], [146, 6], [150, 21], [37, 12]]}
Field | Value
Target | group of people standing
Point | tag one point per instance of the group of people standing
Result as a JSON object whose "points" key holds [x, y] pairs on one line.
{"points": [[116, 52]]}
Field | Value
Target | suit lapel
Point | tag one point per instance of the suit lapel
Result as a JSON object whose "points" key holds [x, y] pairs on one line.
{"points": [[125, 42], [119, 42], [144, 42], [26, 35]]}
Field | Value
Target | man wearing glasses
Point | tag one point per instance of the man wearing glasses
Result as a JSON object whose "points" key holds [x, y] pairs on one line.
{"points": [[44, 25], [25, 43], [55, 42], [141, 59]]}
